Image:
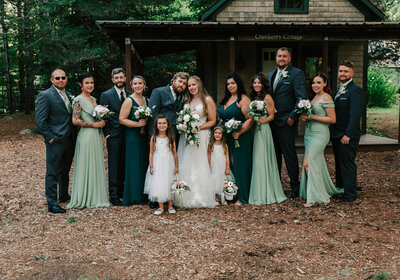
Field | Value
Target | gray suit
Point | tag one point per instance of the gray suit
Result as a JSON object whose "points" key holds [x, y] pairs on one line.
{"points": [[286, 95], [55, 122]]}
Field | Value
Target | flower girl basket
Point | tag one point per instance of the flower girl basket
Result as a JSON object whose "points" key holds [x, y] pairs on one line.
{"points": [[229, 189], [177, 189]]}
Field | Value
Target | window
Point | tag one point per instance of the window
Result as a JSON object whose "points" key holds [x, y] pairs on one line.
{"points": [[291, 6]]}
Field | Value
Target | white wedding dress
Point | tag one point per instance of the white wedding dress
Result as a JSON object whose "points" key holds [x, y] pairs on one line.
{"points": [[194, 168]]}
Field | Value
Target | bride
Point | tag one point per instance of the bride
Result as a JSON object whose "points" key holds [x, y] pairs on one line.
{"points": [[193, 162]]}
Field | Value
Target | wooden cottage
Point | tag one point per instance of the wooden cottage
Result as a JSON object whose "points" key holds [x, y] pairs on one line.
{"points": [[243, 35]]}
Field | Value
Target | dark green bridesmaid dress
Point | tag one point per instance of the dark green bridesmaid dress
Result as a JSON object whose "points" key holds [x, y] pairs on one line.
{"points": [[136, 162], [241, 157]]}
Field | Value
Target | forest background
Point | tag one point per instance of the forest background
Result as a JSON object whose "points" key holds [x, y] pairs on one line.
{"points": [[40, 35]]}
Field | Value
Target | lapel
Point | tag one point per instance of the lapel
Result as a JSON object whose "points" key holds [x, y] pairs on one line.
{"points": [[338, 94], [115, 97], [169, 94], [59, 99], [283, 78], [273, 76]]}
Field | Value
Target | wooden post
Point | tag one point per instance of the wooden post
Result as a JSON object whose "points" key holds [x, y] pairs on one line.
{"points": [[325, 55], [232, 56], [128, 62]]}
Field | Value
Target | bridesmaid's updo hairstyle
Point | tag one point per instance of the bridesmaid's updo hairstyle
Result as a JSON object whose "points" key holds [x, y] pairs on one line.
{"points": [[84, 76], [265, 87], [323, 76], [169, 132], [240, 89]]}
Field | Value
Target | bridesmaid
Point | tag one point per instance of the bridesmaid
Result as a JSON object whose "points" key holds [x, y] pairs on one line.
{"points": [[234, 105], [265, 185], [136, 144], [316, 184], [89, 187]]}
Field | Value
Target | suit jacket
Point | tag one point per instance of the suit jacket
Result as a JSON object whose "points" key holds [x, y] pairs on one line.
{"points": [[111, 99], [164, 103], [52, 116], [348, 108], [287, 93]]}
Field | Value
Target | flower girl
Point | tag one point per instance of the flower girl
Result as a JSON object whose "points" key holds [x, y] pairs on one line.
{"points": [[218, 159], [163, 164]]}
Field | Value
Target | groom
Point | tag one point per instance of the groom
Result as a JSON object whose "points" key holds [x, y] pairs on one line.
{"points": [[114, 133], [288, 86], [346, 132], [54, 119]]}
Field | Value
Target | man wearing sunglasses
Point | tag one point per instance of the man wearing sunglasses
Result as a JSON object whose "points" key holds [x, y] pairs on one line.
{"points": [[53, 117]]}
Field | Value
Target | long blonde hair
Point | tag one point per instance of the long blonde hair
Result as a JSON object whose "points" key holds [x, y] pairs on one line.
{"points": [[212, 140], [202, 93]]}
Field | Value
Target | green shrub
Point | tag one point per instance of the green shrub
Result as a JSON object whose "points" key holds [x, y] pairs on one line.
{"points": [[382, 86]]}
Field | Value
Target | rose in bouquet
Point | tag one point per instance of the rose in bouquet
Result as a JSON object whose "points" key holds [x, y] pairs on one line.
{"points": [[102, 113], [304, 106], [187, 123], [178, 187], [142, 112], [258, 109], [234, 126]]}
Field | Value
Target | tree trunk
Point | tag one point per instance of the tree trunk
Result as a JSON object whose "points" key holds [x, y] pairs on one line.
{"points": [[21, 56], [11, 108]]}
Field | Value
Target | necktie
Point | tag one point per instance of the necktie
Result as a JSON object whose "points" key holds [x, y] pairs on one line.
{"points": [[277, 78], [340, 91], [121, 93], [66, 101]]}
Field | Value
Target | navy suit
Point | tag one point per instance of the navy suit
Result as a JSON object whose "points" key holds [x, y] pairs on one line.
{"points": [[348, 108], [115, 135], [164, 103], [286, 95], [55, 122]]}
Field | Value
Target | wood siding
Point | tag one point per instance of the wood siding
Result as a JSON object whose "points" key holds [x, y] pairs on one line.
{"points": [[263, 11]]}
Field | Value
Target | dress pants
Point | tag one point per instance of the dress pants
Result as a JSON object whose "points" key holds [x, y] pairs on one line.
{"points": [[116, 165], [284, 142], [59, 157], [346, 168]]}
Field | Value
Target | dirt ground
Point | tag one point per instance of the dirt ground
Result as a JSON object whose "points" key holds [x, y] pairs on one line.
{"points": [[358, 240]]}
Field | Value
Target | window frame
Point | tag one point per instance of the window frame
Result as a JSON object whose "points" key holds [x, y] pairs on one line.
{"points": [[303, 10]]}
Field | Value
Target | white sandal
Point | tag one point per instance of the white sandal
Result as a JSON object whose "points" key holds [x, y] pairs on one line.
{"points": [[158, 212], [171, 211]]}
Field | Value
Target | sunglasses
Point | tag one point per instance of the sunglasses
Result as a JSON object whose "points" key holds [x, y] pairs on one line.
{"points": [[62, 78]]}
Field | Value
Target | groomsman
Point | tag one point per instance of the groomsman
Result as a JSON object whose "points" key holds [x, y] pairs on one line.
{"points": [[54, 119], [346, 132], [114, 133], [288, 86], [168, 100]]}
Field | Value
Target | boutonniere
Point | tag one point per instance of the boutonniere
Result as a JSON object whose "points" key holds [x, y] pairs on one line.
{"points": [[71, 98], [342, 90], [285, 74]]}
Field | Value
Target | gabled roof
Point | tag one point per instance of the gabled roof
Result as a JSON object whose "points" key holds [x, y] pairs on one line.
{"points": [[370, 12]]}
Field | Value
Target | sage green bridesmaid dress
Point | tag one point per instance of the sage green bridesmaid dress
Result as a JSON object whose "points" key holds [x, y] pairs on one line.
{"points": [[89, 187], [266, 187], [317, 186], [241, 157], [136, 162]]}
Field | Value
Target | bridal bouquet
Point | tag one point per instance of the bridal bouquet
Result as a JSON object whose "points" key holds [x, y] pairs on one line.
{"points": [[188, 124], [102, 113], [304, 106], [234, 126], [142, 112], [178, 188], [258, 109]]}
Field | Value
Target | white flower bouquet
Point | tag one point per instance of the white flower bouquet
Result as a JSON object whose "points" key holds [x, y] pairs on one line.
{"points": [[304, 106], [187, 123], [258, 109], [177, 189], [142, 112], [101, 112], [234, 126]]}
